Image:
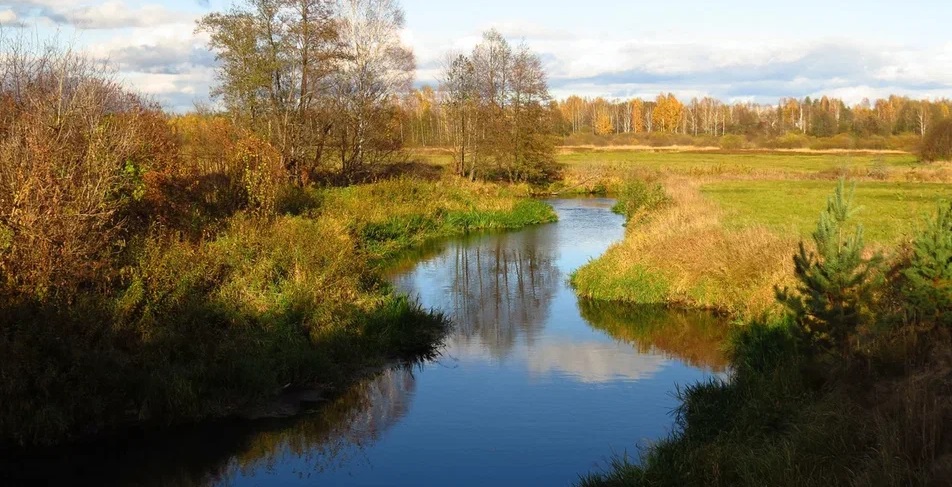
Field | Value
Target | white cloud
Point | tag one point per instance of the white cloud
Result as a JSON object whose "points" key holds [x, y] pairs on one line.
{"points": [[728, 67], [7, 16], [158, 40], [111, 14]]}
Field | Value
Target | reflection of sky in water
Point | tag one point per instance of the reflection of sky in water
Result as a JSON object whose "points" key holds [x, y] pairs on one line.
{"points": [[593, 361], [527, 392]]}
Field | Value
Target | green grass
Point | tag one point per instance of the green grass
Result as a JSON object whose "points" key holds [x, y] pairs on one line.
{"points": [[701, 162], [890, 211], [687, 162], [196, 329], [778, 420]]}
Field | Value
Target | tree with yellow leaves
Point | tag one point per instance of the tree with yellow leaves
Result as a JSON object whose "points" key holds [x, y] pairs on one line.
{"points": [[667, 113], [602, 122], [637, 108]]}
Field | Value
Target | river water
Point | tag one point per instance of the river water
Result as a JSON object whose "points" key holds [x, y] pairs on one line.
{"points": [[533, 386]]}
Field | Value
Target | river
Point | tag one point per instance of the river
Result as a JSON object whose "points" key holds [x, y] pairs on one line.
{"points": [[533, 386]]}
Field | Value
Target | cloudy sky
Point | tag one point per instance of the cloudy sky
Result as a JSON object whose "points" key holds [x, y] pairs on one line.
{"points": [[732, 49]]}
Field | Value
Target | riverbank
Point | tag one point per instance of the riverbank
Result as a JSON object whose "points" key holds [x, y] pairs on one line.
{"points": [[197, 328], [729, 224], [862, 401], [526, 364]]}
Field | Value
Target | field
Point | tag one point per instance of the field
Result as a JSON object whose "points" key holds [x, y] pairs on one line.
{"points": [[889, 211], [719, 232], [733, 220], [741, 162]]}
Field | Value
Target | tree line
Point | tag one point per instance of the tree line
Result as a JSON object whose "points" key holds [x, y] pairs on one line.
{"points": [[424, 122]]}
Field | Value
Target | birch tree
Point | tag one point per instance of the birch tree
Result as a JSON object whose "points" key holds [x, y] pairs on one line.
{"points": [[374, 70]]}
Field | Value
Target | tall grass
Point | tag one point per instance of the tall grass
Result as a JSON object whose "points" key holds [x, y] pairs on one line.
{"points": [[682, 253], [874, 411], [192, 329]]}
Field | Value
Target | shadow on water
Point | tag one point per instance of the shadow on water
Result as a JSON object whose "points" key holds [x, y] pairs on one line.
{"points": [[216, 454], [529, 372]]}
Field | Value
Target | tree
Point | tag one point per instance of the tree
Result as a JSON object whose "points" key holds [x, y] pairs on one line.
{"points": [[532, 157], [928, 286], [573, 109], [667, 113], [637, 107], [937, 144], [274, 58], [498, 101], [834, 282], [602, 123], [460, 100], [374, 69]]}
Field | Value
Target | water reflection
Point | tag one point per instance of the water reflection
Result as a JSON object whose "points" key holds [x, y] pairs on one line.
{"points": [[334, 438], [223, 453], [593, 362], [534, 387], [495, 288], [694, 337]]}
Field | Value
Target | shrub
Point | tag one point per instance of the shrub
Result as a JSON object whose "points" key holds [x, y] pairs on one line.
{"points": [[937, 144], [928, 286], [834, 288], [732, 142], [639, 198], [73, 148], [790, 140], [841, 141]]}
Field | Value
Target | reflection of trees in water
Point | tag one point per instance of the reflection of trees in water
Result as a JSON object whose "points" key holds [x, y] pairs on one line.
{"points": [[694, 337], [500, 288], [336, 436], [216, 454]]}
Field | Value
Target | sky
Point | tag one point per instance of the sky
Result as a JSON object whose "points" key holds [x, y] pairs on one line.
{"points": [[734, 50]]}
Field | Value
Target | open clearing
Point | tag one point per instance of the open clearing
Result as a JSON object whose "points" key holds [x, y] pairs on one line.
{"points": [[889, 210]]}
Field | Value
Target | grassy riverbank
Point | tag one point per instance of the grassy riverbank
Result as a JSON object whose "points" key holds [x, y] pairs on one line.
{"points": [[729, 223], [849, 387], [197, 328], [817, 396]]}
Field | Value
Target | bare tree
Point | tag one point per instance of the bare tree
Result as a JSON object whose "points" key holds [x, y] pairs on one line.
{"points": [[375, 69], [275, 57]]}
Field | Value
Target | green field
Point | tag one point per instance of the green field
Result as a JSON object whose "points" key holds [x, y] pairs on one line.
{"points": [[688, 162], [889, 210]]}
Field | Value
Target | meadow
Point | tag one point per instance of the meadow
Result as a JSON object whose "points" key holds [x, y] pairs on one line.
{"points": [[838, 381], [889, 211], [731, 222]]}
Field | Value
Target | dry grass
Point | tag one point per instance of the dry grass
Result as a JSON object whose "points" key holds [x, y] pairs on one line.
{"points": [[686, 255], [569, 149]]}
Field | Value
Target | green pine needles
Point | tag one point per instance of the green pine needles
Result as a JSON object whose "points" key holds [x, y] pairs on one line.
{"points": [[928, 286], [835, 284]]}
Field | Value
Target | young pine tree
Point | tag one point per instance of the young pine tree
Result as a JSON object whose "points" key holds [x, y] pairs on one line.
{"points": [[928, 286], [835, 284]]}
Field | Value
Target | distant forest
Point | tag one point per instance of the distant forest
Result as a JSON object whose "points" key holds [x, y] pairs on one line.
{"points": [[895, 122]]}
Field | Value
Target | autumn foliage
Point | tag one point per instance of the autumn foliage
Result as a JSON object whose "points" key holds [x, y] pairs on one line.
{"points": [[937, 144], [72, 147]]}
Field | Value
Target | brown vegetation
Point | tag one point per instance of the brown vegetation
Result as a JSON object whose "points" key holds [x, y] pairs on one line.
{"points": [[684, 254]]}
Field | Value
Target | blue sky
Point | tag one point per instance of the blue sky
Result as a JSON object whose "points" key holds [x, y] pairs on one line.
{"points": [[732, 49]]}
